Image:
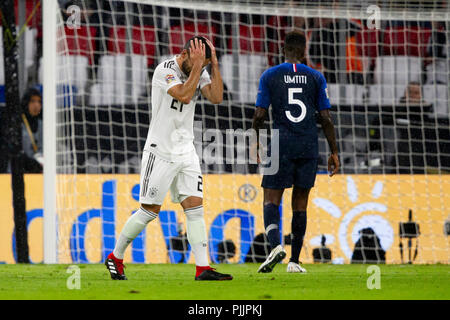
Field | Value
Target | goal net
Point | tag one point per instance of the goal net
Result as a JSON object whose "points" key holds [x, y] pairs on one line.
{"points": [[387, 68]]}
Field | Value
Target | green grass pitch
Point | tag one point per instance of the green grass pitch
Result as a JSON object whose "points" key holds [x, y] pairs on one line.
{"points": [[175, 281]]}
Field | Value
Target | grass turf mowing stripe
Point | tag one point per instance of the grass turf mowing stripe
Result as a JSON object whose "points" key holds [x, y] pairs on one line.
{"points": [[176, 281]]}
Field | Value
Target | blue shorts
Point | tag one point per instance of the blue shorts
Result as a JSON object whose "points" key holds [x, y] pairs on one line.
{"points": [[292, 172]]}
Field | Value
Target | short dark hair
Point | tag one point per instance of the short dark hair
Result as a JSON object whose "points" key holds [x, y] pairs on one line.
{"points": [[294, 41], [203, 40]]}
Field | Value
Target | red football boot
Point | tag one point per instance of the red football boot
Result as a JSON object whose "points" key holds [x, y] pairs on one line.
{"points": [[115, 267]]}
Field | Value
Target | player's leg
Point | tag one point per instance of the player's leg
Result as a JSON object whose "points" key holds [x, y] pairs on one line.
{"points": [[274, 186], [197, 237], [134, 226], [156, 175], [298, 227], [305, 176], [187, 189], [196, 229], [272, 200]]}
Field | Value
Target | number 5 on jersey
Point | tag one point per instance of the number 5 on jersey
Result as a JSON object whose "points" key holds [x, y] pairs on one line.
{"points": [[292, 100]]}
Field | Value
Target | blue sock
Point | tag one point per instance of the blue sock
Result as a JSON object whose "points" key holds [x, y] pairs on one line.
{"points": [[298, 233], [271, 224]]}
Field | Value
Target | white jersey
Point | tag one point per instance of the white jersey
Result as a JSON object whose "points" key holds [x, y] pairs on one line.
{"points": [[171, 132]]}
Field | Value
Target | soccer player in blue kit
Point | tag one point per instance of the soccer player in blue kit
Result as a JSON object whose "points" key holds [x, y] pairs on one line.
{"points": [[299, 99]]}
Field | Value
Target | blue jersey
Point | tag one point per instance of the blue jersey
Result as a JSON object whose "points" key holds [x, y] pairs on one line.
{"points": [[296, 93]]}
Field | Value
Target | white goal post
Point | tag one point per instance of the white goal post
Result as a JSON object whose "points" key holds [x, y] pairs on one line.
{"points": [[50, 232]]}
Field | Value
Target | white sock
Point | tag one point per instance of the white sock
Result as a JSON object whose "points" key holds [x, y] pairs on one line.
{"points": [[134, 225], [196, 234]]}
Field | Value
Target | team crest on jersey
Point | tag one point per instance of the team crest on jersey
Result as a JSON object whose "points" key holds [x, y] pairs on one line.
{"points": [[153, 192], [170, 78]]}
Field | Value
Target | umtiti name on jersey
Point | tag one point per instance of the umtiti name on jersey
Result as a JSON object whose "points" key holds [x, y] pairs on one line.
{"points": [[295, 79]]}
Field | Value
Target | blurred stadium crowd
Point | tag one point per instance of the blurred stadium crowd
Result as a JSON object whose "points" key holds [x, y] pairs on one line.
{"points": [[388, 86]]}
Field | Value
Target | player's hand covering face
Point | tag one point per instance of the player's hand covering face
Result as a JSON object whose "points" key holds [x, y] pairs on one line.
{"points": [[197, 54], [197, 51], [214, 60]]}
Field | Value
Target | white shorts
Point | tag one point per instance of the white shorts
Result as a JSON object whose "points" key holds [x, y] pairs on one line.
{"points": [[184, 179]]}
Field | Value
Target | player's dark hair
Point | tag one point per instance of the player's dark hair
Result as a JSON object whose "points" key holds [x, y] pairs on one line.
{"points": [[203, 40], [295, 44]]}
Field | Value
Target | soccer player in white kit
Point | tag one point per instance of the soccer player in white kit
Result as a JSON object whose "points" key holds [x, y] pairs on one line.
{"points": [[169, 161]]}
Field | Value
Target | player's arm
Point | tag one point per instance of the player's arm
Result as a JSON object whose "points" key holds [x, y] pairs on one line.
{"points": [[323, 105], [184, 92], [214, 91], [258, 123], [328, 130], [262, 105], [258, 120]]}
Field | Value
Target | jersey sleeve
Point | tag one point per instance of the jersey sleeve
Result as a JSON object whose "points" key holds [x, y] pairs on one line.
{"points": [[166, 78], [204, 79], [263, 97], [323, 101]]}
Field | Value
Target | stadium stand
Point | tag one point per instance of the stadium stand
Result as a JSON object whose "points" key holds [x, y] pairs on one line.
{"points": [[392, 57], [113, 82], [81, 41], [397, 70], [30, 35], [78, 70], [2, 70], [251, 39], [243, 90], [144, 39], [180, 34], [410, 41]]}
